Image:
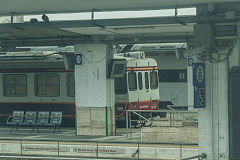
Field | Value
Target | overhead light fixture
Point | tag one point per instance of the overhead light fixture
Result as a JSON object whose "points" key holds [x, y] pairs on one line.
{"points": [[133, 28]]}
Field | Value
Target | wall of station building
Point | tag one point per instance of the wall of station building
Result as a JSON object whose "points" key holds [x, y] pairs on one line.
{"points": [[172, 78]]}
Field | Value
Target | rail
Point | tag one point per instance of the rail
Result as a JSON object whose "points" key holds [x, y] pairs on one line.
{"points": [[69, 149]]}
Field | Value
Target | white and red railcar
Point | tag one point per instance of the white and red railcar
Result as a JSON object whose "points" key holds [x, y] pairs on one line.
{"points": [[138, 88]]}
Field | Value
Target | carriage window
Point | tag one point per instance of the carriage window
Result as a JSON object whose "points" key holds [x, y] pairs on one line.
{"points": [[146, 80], [15, 85], [153, 80], [120, 84], [172, 75], [140, 86], [70, 85], [132, 81], [47, 85]]}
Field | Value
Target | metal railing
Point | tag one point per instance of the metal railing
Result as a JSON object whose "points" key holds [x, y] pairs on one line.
{"points": [[68, 149], [173, 118], [199, 157], [183, 116]]}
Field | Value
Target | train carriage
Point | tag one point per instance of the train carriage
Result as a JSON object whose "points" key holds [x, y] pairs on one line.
{"points": [[38, 81], [172, 71], [138, 88]]}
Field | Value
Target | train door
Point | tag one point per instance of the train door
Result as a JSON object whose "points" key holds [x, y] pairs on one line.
{"points": [[133, 88], [146, 95], [121, 97], [154, 88], [141, 89]]}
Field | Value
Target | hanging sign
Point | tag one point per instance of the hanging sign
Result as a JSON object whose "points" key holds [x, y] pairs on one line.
{"points": [[199, 85]]}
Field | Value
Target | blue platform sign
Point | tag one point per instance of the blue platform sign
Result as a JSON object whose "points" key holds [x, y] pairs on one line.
{"points": [[190, 61], [78, 59], [199, 85]]}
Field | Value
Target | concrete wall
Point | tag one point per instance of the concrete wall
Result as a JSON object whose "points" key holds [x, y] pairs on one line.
{"points": [[106, 150], [95, 121], [174, 92]]}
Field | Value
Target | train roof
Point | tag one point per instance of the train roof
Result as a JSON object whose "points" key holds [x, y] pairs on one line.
{"points": [[135, 59], [14, 60]]}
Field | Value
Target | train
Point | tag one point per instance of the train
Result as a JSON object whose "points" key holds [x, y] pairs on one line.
{"points": [[39, 81], [36, 82], [138, 88], [172, 70]]}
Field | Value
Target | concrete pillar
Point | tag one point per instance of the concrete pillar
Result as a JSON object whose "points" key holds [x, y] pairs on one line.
{"points": [[95, 114], [213, 120]]}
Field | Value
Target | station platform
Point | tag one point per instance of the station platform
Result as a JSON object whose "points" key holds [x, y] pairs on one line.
{"points": [[67, 134]]}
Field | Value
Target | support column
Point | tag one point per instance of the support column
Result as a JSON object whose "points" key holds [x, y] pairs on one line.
{"points": [[95, 114], [213, 120]]}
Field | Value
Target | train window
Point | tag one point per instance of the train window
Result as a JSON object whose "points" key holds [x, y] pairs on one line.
{"points": [[118, 69], [120, 84], [153, 80], [70, 85], [140, 86], [172, 75], [47, 85], [132, 81], [15, 85], [146, 80]]}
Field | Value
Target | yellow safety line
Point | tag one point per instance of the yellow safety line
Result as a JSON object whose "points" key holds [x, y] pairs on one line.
{"points": [[38, 142]]}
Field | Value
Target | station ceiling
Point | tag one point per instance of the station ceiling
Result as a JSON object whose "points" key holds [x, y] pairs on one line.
{"points": [[113, 31], [128, 30], [131, 30]]}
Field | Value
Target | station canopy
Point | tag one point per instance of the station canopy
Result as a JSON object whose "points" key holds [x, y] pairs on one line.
{"points": [[125, 30], [114, 31]]}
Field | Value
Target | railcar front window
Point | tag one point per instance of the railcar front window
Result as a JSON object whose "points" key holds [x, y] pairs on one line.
{"points": [[132, 81], [15, 85], [120, 84], [146, 80], [153, 80], [47, 85], [70, 85], [140, 85]]}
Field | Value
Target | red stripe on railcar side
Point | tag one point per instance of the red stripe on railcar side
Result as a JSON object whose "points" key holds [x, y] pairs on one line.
{"points": [[141, 68]]}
